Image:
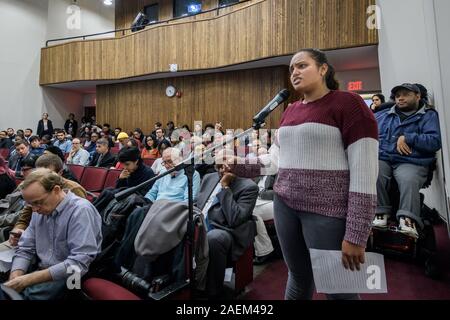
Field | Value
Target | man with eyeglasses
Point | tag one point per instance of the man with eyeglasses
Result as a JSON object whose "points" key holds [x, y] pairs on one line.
{"points": [[93, 143], [64, 236], [173, 186], [78, 155]]}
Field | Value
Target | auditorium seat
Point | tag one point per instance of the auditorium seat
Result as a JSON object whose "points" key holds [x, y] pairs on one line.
{"points": [[111, 178], [149, 162], [77, 170], [100, 289], [115, 150], [243, 270], [93, 178]]}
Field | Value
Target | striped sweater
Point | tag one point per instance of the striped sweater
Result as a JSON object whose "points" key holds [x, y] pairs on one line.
{"points": [[328, 161]]}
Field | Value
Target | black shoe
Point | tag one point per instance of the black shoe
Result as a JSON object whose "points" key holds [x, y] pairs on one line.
{"points": [[262, 259]]}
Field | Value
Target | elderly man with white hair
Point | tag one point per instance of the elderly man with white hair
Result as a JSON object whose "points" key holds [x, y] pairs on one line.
{"points": [[173, 186], [78, 155]]}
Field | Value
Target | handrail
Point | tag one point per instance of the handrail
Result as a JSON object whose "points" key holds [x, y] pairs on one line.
{"points": [[145, 25]]}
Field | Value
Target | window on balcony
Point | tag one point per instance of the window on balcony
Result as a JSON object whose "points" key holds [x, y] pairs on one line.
{"points": [[224, 3], [183, 8], [152, 12]]}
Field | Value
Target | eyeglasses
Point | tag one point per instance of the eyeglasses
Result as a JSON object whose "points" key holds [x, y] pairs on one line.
{"points": [[168, 162], [40, 202]]}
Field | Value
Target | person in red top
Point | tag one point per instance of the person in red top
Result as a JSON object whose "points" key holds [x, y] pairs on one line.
{"points": [[150, 150]]}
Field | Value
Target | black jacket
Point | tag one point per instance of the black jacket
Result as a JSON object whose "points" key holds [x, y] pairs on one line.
{"points": [[40, 129], [234, 210], [7, 185], [108, 160], [74, 130], [143, 173]]}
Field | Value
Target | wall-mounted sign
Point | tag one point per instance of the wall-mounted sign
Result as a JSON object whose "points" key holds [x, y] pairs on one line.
{"points": [[355, 86]]}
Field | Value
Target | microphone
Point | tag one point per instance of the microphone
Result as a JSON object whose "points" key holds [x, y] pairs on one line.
{"points": [[281, 97]]}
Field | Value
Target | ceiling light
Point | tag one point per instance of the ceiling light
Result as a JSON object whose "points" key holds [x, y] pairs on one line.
{"points": [[107, 2]]}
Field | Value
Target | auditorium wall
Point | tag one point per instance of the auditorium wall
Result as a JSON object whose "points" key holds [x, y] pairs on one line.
{"points": [[231, 97], [23, 25], [26, 25]]}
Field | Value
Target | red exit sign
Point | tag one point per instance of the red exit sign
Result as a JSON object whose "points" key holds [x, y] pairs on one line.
{"points": [[355, 86]]}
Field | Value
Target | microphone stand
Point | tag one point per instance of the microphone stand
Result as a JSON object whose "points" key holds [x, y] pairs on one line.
{"points": [[188, 165]]}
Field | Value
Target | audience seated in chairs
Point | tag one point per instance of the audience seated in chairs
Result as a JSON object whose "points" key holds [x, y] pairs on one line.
{"points": [[103, 158], [64, 237], [135, 171], [78, 155], [173, 186], [46, 161], [227, 202], [409, 138]]}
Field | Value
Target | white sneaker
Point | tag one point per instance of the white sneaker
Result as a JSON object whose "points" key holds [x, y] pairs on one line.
{"points": [[408, 227], [380, 220]]}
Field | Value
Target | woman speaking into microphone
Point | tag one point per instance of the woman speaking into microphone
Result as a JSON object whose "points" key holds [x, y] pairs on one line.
{"points": [[325, 194]]}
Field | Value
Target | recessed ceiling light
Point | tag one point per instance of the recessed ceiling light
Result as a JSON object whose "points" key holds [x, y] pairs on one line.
{"points": [[107, 2]]}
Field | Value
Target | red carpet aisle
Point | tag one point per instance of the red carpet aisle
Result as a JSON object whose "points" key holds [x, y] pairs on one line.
{"points": [[406, 281]]}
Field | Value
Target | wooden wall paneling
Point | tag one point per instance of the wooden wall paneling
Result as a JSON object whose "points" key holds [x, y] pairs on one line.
{"points": [[232, 97]]}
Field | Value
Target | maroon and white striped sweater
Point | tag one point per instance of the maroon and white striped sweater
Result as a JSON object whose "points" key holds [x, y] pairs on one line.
{"points": [[328, 161]]}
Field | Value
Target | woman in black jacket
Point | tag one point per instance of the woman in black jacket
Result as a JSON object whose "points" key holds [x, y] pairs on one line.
{"points": [[45, 126]]}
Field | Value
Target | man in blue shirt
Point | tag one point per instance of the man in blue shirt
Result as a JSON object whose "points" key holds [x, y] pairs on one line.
{"points": [[173, 186], [409, 137], [64, 235], [62, 143]]}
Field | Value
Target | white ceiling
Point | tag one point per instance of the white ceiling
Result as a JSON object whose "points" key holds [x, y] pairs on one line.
{"points": [[342, 59]]}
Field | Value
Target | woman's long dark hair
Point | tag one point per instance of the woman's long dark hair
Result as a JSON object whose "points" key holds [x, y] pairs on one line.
{"points": [[154, 145], [321, 59], [380, 96]]}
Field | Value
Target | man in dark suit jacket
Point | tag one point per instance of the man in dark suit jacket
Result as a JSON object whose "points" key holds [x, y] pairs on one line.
{"points": [[227, 201], [102, 157]]}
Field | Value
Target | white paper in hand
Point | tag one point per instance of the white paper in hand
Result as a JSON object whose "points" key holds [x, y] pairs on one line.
{"points": [[330, 276]]}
